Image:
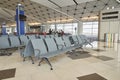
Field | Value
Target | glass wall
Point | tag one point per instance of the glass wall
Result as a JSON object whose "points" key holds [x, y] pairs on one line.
{"points": [[70, 28], [90, 29]]}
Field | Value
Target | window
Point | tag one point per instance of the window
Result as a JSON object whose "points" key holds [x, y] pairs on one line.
{"points": [[67, 27], [90, 29]]}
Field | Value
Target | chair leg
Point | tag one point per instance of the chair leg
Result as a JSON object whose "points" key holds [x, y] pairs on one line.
{"points": [[32, 60], [91, 45], [46, 59], [40, 61]]}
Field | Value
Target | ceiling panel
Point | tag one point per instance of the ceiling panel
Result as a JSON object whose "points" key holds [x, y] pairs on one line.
{"points": [[40, 13]]}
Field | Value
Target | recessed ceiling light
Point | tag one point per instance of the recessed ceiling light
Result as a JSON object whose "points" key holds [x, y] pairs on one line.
{"points": [[113, 7], [108, 8], [19, 4]]}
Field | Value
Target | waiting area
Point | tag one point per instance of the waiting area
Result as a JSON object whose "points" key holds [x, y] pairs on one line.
{"points": [[59, 40]]}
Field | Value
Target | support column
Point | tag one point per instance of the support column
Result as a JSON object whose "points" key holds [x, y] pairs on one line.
{"points": [[80, 28], [55, 27], [4, 32], [20, 20], [47, 28]]}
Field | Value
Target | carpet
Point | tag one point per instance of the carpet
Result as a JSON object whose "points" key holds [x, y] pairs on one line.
{"points": [[104, 58], [8, 73], [79, 55], [98, 50], [93, 76]]}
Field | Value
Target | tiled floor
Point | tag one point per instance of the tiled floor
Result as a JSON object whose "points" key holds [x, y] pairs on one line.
{"points": [[64, 67]]}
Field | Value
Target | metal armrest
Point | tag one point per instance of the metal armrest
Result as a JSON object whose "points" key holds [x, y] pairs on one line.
{"points": [[76, 42], [38, 52], [22, 43], [62, 45]]}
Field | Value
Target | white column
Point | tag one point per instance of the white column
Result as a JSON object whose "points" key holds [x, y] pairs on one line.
{"points": [[47, 27], [55, 27], [80, 28]]}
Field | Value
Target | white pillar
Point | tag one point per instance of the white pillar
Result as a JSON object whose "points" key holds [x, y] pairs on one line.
{"points": [[80, 28], [47, 27], [55, 27]]}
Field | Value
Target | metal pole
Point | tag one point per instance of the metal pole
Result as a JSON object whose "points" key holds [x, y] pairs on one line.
{"points": [[18, 20]]}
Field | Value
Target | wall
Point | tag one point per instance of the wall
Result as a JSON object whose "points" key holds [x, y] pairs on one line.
{"points": [[109, 25]]}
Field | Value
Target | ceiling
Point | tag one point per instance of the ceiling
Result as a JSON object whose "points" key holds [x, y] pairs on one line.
{"points": [[41, 13], [60, 3]]}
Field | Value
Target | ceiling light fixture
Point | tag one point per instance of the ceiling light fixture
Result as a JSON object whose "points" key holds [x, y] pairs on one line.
{"points": [[108, 8], [89, 18], [57, 21], [35, 23], [113, 7]]}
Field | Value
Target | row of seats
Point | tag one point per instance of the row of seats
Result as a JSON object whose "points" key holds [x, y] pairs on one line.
{"points": [[33, 36], [16, 41], [49, 47]]}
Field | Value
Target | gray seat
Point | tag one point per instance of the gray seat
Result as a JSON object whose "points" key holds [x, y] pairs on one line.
{"points": [[24, 40], [41, 36], [81, 43], [14, 41], [68, 44], [5, 36], [85, 40], [31, 37], [39, 47], [52, 36], [4, 43], [28, 51], [61, 46], [47, 36], [52, 50], [60, 43], [4, 46]]}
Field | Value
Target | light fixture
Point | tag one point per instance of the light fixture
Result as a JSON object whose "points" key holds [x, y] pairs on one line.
{"points": [[108, 8], [89, 18], [57, 21], [34, 23], [19, 4], [113, 7], [13, 25]]}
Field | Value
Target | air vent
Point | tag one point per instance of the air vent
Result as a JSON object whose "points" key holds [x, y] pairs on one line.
{"points": [[110, 17], [110, 13]]}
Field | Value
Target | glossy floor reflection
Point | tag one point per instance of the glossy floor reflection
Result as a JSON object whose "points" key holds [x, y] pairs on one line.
{"points": [[66, 68]]}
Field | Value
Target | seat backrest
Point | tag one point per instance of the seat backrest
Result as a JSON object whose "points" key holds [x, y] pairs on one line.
{"points": [[56, 35], [28, 51], [4, 43], [82, 38], [59, 42], [24, 40], [74, 38], [41, 36], [5, 36], [38, 44], [31, 37], [47, 36], [79, 39], [52, 36], [67, 41], [14, 41], [51, 45]]}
